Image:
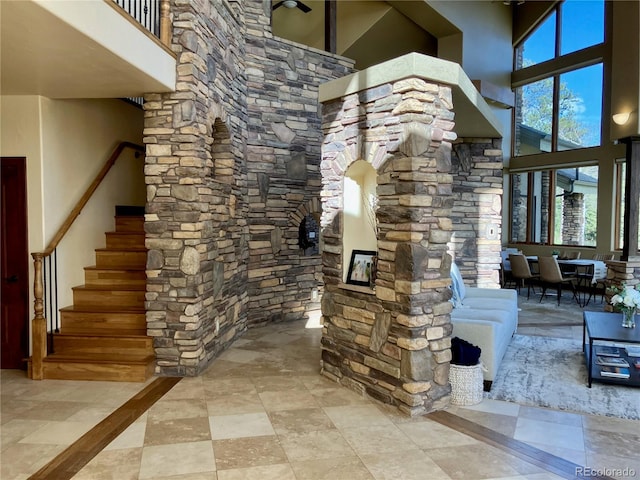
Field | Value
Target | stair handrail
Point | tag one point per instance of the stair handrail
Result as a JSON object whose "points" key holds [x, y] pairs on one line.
{"points": [[39, 322]]}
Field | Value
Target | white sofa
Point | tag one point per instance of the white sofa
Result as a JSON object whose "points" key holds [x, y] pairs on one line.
{"points": [[486, 317]]}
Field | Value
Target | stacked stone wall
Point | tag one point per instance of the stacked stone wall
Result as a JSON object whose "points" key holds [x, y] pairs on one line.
{"points": [[573, 219], [283, 168], [619, 272], [392, 343], [195, 223], [477, 210]]}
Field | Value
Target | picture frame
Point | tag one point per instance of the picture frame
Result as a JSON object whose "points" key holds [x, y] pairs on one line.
{"points": [[361, 267]]}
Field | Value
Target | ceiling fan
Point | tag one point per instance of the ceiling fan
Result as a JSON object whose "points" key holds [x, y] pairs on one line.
{"points": [[293, 4]]}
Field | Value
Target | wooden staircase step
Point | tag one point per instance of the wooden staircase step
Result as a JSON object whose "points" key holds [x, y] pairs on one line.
{"points": [[105, 296], [77, 319], [129, 223], [117, 368], [125, 239], [115, 276], [121, 257], [73, 344]]}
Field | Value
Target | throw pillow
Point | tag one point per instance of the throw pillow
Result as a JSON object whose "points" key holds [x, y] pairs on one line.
{"points": [[457, 284]]}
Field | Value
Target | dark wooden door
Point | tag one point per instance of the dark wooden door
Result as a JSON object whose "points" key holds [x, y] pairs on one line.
{"points": [[14, 266]]}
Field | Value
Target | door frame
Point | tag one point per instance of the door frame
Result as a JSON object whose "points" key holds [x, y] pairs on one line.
{"points": [[14, 244]]}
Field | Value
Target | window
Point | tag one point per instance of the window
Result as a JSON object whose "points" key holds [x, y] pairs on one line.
{"points": [[558, 98], [557, 206]]}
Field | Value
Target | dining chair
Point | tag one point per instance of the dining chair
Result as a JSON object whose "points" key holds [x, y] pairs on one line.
{"points": [[522, 273], [603, 256], [550, 275]]}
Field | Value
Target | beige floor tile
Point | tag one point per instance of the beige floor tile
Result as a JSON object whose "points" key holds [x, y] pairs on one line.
{"points": [[58, 433], [16, 429], [281, 471], [248, 452], [132, 437], [228, 386], [430, 434], [338, 396], [180, 430], [480, 462], [350, 416], [537, 431], [26, 459], [610, 424], [553, 416], [234, 404], [350, 468], [495, 406], [241, 425], [316, 445], [404, 466], [287, 400], [242, 356], [112, 465], [575, 456], [169, 409], [623, 468], [287, 422], [613, 443], [177, 459], [277, 383], [91, 413], [373, 439], [186, 388], [504, 424]]}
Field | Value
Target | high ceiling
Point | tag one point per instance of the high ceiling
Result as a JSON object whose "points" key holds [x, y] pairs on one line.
{"points": [[368, 31]]}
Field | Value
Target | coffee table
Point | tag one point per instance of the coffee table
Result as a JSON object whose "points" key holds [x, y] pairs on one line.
{"points": [[607, 327]]}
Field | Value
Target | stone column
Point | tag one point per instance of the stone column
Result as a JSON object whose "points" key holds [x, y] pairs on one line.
{"points": [[573, 219], [477, 209], [392, 343]]}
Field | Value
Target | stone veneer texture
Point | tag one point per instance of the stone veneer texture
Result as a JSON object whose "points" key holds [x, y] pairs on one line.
{"points": [[232, 165], [392, 344], [619, 272], [283, 152], [477, 210]]}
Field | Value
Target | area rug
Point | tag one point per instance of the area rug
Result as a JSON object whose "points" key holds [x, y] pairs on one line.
{"points": [[551, 372]]}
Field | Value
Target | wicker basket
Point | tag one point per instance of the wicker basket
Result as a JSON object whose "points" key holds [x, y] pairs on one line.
{"points": [[466, 384]]}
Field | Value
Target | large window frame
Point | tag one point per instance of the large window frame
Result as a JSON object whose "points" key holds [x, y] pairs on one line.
{"points": [[603, 155]]}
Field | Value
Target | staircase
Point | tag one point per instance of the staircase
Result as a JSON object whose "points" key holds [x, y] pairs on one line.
{"points": [[103, 334]]}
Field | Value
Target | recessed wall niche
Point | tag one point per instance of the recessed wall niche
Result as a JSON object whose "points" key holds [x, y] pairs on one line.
{"points": [[309, 236], [360, 202]]}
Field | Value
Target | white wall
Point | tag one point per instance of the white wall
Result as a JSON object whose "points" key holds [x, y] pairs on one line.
{"points": [[66, 143], [359, 228]]}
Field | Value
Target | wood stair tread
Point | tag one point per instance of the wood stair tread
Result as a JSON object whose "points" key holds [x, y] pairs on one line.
{"points": [[114, 287], [121, 249], [118, 268], [100, 358], [105, 333], [103, 309]]}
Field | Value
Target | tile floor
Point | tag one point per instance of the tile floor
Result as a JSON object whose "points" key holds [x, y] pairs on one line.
{"points": [[262, 411]]}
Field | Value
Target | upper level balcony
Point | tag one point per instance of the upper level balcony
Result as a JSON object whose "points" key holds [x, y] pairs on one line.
{"points": [[88, 49]]}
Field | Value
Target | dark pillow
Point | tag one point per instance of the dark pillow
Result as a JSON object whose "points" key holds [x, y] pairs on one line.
{"points": [[464, 353]]}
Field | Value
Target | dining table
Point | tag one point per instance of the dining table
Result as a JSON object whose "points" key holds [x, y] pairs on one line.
{"points": [[586, 271]]}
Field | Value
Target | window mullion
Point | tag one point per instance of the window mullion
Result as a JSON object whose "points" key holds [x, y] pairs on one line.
{"points": [[555, 128]]}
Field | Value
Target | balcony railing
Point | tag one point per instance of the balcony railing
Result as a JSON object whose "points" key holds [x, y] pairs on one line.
{"points": [[151, 14]]}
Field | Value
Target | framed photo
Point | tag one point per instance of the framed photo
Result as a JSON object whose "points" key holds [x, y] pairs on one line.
{"points": [[361, 267]]}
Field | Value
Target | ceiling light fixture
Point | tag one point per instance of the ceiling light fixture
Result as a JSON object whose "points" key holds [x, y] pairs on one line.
{"points": [[290, 3]]}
